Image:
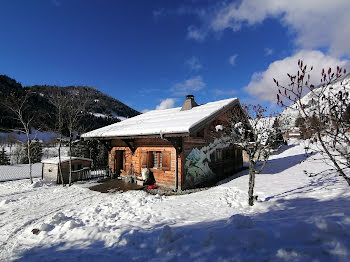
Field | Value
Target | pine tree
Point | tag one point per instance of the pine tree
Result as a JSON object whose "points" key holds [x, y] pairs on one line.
{"points": [[36, 152], [4, 159], [93, 149]]}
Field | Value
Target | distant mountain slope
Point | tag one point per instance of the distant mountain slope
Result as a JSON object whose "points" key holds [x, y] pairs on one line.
{"points": [[102, 105], [101, 111], [42, 108], [289, 115]]}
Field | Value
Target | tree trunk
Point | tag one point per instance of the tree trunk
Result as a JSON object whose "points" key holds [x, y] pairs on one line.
{"points": [[29, 160], [251, 183], [70, 159], [59, 160], [347, 179], [332, 158]]}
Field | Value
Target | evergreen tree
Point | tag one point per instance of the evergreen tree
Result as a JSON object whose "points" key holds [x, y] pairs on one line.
{"points": [[4, 159], [36, 152], [93, 149]]}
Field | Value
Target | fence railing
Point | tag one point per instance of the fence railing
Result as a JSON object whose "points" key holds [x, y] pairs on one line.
{"points": [[87, 173], [82, 174], [101, 172]]}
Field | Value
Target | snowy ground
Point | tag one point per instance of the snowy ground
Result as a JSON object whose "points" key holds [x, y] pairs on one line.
{"points": [[20, 171], [297, 218]]}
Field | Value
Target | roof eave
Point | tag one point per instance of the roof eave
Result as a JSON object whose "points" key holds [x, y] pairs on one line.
{"points": [[197, 127], [138, 136]]}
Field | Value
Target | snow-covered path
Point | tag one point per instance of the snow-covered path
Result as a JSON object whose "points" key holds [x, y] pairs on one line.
{"points": [[297, 218]]}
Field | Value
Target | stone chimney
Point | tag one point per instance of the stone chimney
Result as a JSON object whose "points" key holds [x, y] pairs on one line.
{"points": [[189, 103]]}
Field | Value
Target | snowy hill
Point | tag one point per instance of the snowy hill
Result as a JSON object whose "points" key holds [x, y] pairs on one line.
{"points": [[289, 115], [297, 218]]}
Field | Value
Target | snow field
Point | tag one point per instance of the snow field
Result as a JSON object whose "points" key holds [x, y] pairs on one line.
{"points": [[20, 171], [297, 218]]}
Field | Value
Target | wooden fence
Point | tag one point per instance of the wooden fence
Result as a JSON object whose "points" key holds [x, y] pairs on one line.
{"points": [[86, 173]]}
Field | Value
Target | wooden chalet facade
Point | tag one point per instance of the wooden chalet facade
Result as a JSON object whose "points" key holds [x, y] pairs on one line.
{"points": [[180, 146]]}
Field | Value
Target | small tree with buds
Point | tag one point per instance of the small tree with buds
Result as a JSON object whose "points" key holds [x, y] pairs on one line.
{"points": [[256, 133], [325, 114]]}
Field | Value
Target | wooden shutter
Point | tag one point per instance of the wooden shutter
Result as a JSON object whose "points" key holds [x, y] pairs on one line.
{"points": [[166, 160], [144, 159], [150, 159]]}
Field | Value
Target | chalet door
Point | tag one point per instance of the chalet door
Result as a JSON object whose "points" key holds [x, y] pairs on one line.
{"points": [[119, 161]]}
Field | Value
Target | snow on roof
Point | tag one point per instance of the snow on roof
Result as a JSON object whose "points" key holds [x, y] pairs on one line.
{"points": [[55, 160], [162, 121]]}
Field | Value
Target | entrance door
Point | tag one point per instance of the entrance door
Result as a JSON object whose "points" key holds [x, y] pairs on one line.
{"points": [[119, 161]]}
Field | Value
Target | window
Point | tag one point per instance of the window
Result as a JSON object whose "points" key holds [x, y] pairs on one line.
{"points": [[156, 159]]}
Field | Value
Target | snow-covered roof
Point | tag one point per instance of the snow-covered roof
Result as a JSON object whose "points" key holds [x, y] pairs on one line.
{"points": [[55, 160], [167, 121]]}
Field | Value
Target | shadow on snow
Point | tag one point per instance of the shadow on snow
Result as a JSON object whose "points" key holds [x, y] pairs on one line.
{"points": [[300, 229]]}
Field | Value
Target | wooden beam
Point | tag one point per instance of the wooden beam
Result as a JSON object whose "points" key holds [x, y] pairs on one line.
{"points": [[176, 142], [128, 143]]}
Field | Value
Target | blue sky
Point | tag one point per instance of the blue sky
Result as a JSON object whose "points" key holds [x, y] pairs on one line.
{"points": [[149, 54]]}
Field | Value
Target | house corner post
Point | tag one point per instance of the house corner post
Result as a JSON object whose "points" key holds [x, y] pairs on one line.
{"points": [[176, 170]]}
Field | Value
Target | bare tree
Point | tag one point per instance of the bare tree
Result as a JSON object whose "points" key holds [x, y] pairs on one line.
{"points": [[253, 130], [75, 109], [324, 112], [59, 101], [19, 107]]}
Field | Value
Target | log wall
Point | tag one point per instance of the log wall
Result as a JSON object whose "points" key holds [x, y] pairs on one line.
{"points": [[165, 178]]}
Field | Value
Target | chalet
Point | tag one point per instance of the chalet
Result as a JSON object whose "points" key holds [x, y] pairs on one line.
{"points": [[179, 146]]}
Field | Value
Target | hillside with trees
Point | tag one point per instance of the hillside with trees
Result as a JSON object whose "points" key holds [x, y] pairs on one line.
{"points": [[100, 110]]}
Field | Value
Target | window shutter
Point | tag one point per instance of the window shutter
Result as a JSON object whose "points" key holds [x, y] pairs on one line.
{"points": [[124, 159], [144, 159], [150, 159], [166, 160]]}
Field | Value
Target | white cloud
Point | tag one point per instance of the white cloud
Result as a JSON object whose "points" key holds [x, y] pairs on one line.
{"points": [[193, 63], [232, 59], [317, 23], [262, 86], [196, 33], [188, 86], [166, 104], [268, 51]]}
